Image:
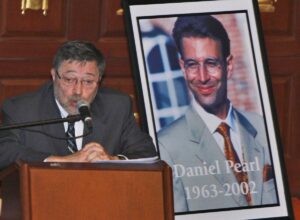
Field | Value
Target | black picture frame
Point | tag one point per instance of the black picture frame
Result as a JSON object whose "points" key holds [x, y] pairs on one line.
{"points": [[164, 97]]}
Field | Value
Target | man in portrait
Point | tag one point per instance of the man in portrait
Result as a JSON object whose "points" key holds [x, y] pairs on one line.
{"points": [[219, 155]]}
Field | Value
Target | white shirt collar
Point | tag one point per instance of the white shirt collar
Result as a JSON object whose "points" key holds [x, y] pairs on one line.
{"points": [[212, 121], [62, 111]]}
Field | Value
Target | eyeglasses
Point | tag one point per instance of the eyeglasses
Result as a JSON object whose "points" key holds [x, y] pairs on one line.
{"points": [[71, 82], [211, 65]]}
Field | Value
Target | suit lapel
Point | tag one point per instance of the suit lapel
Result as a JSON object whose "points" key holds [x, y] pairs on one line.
{"points": [[207, 150], [99, 123], [252, 151], [49, 110]]}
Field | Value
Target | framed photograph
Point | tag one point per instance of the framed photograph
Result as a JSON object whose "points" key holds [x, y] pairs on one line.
{"points": [[205, 96]]}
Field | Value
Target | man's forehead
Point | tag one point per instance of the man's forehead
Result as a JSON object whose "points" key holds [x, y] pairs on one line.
{"points": [[80, 67], [199, 44]]}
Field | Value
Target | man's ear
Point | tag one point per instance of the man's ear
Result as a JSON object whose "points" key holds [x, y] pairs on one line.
{"points": [[53, 74], [229, 68]]}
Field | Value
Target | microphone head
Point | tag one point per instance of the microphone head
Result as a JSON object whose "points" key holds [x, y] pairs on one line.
{"points": [[83, 109], [82, 103]]}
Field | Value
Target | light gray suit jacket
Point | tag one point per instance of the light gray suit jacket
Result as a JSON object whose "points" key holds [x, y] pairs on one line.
{"points": [[201, 177]]}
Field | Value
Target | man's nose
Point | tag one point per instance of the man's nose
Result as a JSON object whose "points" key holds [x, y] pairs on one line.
{"points": [[78, 88], [203, 75]]}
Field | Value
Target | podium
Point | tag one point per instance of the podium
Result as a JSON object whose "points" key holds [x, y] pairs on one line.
{"points": [[106, 190]]}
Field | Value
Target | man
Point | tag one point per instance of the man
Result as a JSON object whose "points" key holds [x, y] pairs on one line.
{"points": [[219, 155], [78, 68]]}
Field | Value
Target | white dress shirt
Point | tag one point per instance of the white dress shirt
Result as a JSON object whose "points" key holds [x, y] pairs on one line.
{"points": [[212, 122], [78, 126]]}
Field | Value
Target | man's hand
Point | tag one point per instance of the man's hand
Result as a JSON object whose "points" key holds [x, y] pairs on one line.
{"points": [[91, 152]]}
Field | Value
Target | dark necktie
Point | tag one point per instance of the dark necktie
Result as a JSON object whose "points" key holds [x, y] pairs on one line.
{"points": [[71, 137], [231, 155]]}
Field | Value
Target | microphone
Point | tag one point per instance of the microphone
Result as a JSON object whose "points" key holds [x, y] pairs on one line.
{"points": [[84, 111]]}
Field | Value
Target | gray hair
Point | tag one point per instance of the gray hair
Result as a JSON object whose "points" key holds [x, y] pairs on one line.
{"points": [[79, 51]]}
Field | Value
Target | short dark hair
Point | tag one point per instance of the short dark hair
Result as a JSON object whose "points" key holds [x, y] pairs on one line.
{"points": [[79, 51], [201, 26]]}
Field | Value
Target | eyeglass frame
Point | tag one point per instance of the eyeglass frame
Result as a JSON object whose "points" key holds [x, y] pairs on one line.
{"points": [[71, 82], [193, 70]]}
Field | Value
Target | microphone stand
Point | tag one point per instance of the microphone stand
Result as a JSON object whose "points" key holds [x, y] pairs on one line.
{"points": [[70, 119]]}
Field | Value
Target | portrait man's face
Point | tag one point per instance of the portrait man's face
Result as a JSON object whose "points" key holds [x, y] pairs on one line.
{"points": [[74, 81], [206, 72]]}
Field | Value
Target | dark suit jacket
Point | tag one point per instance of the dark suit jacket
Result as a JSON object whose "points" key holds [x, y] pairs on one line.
{"points": [[114, 127]]}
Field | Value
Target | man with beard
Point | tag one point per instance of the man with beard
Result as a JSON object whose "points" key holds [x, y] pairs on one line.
{"points": [[78, 68], [219, 155]]}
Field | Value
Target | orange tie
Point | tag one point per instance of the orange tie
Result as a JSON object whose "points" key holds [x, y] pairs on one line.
{"points": [[231, 155]]}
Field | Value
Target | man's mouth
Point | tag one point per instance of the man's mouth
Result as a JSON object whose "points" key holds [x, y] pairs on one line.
{"points": [[73, 103], [206, 90]]}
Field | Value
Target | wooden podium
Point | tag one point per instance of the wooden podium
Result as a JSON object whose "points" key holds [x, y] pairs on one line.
{"points": [[42, 191]]}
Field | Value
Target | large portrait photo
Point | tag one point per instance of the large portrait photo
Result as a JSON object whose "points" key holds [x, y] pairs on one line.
{"points": [[204, 83]]}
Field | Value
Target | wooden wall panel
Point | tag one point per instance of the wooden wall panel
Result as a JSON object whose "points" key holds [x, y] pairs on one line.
{"points": [[83, 18], [28, 42], [286, 86], [282, 38], [112, 39], [9, 88], [282, 29], [32, 23], [282, 89], [112, 23]]}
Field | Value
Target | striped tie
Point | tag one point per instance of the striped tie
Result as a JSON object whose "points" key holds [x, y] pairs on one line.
{"points": [[71, 137]]}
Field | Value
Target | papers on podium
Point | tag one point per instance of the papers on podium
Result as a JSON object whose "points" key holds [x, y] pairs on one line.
{"points": [[139, 160]]}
